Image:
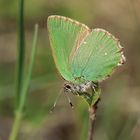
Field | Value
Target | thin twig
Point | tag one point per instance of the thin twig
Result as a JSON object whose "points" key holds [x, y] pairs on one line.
{"points": [[92, 117]]}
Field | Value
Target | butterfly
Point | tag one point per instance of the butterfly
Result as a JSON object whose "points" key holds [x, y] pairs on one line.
{"points": [[83, 56]]}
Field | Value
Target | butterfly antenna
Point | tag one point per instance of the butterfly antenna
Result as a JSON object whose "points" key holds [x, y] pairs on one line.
{"points": [[69, 100], [57, 98]]}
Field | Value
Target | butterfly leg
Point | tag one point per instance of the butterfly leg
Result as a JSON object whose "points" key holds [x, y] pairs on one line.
{"points": [[68, 98], [68, 88], [94, 86]]}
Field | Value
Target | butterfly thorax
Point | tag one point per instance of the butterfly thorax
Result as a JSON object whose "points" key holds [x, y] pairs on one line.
{"points": [[86, 90], [79, 89]]}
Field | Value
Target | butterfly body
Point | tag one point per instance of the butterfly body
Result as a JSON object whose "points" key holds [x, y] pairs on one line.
{"points": [[86, 90], [78, 89]]}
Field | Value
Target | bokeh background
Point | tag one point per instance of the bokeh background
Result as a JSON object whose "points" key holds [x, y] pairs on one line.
{"points": [[118, 115]]}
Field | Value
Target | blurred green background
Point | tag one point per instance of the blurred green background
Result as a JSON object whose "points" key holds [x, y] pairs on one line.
{"points": [[118, 115]]}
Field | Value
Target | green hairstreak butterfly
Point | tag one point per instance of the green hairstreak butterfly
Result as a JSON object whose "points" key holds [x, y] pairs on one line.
{"points": [[83, 56]]}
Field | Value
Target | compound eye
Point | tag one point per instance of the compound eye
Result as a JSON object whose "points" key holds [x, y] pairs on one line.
{"points": [[68, 86]]}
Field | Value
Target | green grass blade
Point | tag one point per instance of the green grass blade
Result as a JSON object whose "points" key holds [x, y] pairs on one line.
{"points": [[24, 90], [28, 76]]}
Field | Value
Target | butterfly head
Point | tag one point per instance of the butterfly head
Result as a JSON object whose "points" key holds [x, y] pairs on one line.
{"points": [[68, 87]]}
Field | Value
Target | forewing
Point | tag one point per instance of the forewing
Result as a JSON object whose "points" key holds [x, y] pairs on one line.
{"points": [[97, 56], [65, 35]]}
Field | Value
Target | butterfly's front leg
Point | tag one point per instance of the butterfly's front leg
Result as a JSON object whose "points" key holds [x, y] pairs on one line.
{"points": [[94, 86]]}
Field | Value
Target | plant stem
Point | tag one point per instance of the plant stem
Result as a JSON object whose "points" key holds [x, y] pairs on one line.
{"points": [[20, 69], [16, 126], [92, 117], [21, 49]]}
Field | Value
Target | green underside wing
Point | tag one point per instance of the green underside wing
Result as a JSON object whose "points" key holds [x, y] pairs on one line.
{"points": [[82, 54], [65, 36], [101, 54]]}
